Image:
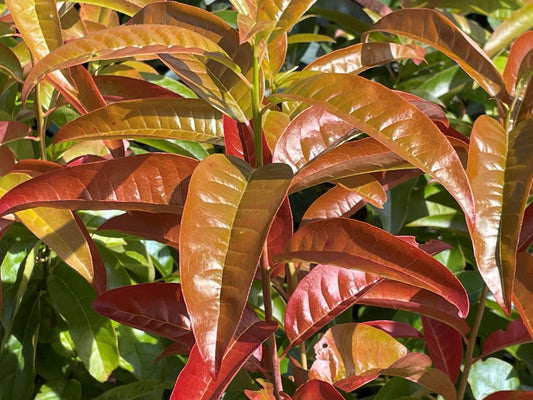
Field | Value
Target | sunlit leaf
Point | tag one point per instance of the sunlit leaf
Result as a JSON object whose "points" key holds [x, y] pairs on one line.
{"points": [[362, 56], [520, 47], [58, 389], [523, 289], [395, 329], [279, 234], [492, 375], [125, 41], [350, 159], [265, 393], [149, 389], [322, 295], [500, 168], [94, 336], [183, 119], [128, 7], [195, 380], [147, 182], [226, 218], [357, 245], [155, 307], [518, 22], [117, 88], [392, 121], [445, 347], [441, 33], [317, 389], [516, 333]]}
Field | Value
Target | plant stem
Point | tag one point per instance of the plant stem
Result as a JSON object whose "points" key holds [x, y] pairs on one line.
{"points": [[267, 298], [256, 108], [472, 344], [39, 116]]}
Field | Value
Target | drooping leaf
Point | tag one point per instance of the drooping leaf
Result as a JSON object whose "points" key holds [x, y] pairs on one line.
{"points": [[518, 22], [93, 335], [163, 227], [358, 157], [445, 347], [392, 121], [322, 295], [441, 33], [156, 118], [362, 56], [500, 168], [13, 130], [212, 81], [317, 389], [308, 135], [195, 380], [225, 221], [155, 307], [516, 333], [125, 41], [520, 47], [357, 245], [147, 182], [523, 289], [490, 376]]}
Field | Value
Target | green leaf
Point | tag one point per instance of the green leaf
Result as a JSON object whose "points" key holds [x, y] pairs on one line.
{"points": [[60, 389], [490, 376], [93, 335], [148, 389], [226, 218], [441, 33], [518, 22], [9, 62], [393, 122], [184, 119], [500, 168]]}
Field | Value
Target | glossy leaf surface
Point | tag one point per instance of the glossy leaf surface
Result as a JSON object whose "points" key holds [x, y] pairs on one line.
{"points": [[317, 389], [195, 382], [183, 119], [128, 7], [520, 47], [224, 239], [492, 375], [500, 170], [147, 182], [118, 88], [392, 121], [357, 245], [445, 347], [518, 22], [155, 307], [516, 333], [441, 33]]}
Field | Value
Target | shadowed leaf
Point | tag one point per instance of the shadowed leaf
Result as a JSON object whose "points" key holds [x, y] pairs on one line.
{"points": [[516, 333], [441, 33], [526, 234], [13, 130], [147, 182], [195, 381], [393, 122], [9, 62], [226, 218], [357, 245], [316, 389], [523, 289], [520, 47], [395, 329], [118, 88], [510, 395]]}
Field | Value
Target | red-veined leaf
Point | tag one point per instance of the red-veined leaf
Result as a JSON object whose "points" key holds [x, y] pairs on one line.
{"points": [[62, 232], [510, 395], [317, 389], [163, 227], [520, 47], [362, 56], [516, 333], [358, 245], [225, 221], [523, 291], [147, 182], [500, 168], [392, 121], [395, 329], [125, 41], [117, 88], [323, 294], [445, 347], [13, 130], [308, 135], [155, 307], [157, 118], [195, 381], [439, 32], [358, 157], [212, 81]]}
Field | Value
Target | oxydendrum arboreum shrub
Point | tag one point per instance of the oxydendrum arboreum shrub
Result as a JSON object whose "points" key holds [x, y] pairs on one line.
{"points": [[315, 206]]}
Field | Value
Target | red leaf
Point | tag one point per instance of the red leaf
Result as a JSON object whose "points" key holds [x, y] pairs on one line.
{"points": [[445, 347], [510, 395], [13, 130], [519, 48], [279, 235], [147, 182], [155, 307], [182, 347], [395, 329], [7, 160], [195, 382], [163, 227], [523, 287], [526, 234], [516, 333], [317, 390], [117, 88], [238, 139]]}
